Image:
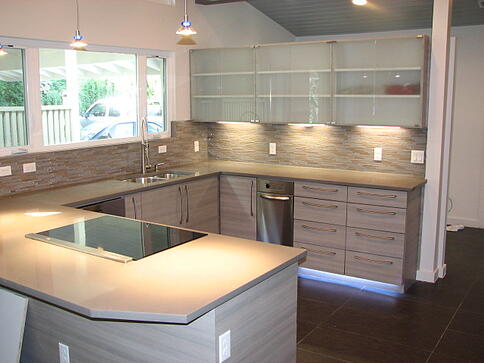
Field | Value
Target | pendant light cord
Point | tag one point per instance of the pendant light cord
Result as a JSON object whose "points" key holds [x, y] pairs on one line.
{"points": [[186, 16], [77, 13]]}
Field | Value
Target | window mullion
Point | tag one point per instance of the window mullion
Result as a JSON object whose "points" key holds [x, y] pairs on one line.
{"points": [[32, 97], [142, 84]]}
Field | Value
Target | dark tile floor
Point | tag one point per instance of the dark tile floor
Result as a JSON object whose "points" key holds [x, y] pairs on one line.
{"points": [[442, 322]]}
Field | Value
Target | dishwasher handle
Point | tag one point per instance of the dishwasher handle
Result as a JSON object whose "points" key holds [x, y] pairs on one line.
{"points": [[275, 197]]}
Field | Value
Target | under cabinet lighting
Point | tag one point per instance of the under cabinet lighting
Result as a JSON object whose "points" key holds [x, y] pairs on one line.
{"points": [[378, 127], [307, 125], [235, 122], [360, 2]]}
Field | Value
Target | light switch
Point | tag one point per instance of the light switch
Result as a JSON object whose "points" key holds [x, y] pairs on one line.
{"points": [[417, 156], [29, 167], [5, 170], [196, 146], [272, 148], [161, 149], [378, 154]]}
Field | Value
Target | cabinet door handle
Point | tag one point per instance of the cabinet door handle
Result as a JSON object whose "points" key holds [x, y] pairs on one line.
{"points": [[320, 189], [380, 262], [320, 205], [134, 207], [188, 206], [251, 198], [376, 212], [275, 197], [377, 195], [181, 203], [305, 226], [386, 238], [327, 253]]}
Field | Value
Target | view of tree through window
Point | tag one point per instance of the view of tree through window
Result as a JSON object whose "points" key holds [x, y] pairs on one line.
{"points": [[87, 95], [13, 122]]}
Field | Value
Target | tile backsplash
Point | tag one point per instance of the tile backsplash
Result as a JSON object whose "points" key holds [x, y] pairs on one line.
{"points": [[326, 147], [86, 164]]}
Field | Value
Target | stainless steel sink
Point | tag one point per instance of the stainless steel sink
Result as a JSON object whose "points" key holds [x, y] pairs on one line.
{"points": [[171, 174]]}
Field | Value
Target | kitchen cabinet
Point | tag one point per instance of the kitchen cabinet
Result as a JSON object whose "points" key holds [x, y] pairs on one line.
{"points": [[222, 84], [237, 206], [132, 205], [381, 81], [193, 205]]}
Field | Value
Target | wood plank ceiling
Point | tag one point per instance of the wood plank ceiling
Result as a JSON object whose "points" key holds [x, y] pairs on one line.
{"points": [[321, 17]]}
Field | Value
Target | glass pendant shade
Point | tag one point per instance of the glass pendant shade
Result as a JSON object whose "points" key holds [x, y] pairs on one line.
{"points": [[186, 26], [78, 42], [2, 50]]}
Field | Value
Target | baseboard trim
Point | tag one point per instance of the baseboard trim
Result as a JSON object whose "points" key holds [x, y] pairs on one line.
{"points": [[428, 275], [468, 222], [442, 271]]}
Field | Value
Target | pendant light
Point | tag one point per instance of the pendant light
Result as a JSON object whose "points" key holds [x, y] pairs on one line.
{"points": [[2, 49], [78, 43], [186, 29]]}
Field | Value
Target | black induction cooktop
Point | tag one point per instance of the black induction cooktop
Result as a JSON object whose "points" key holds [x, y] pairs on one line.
{"points": [[116, 238]]}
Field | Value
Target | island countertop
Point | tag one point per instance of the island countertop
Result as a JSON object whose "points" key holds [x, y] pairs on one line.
{"points": [[174, 286]]}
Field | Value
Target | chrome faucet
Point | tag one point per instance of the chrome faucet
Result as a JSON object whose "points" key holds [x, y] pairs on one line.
{"points": [[145, 148]]}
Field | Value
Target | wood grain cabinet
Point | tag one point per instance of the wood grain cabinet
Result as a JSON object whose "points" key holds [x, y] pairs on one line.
{"points": [[192, 205], [376, 238], [132, 206], [237, 206]]}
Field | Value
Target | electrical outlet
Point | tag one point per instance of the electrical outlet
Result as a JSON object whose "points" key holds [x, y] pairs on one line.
{"points": [[196, 146], [161, 149], [5, 170], [377, 154], [63, 353], [417, 156], [29, 167], [272, 148], [224, 346]]}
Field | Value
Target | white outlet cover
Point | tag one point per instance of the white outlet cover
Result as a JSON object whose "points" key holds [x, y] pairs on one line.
{"points": [[196, 146], [224, 346], [272, 148], [378, 154], [63, 353], [417, 156], [162, 149], [29, 167], [5, 170]]}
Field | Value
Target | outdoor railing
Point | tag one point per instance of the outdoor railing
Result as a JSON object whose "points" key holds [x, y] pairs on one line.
{"points": [[56, 126]]}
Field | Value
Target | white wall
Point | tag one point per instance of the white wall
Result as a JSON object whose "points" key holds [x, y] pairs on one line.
{"points": [[467, 155], [142, 24]]}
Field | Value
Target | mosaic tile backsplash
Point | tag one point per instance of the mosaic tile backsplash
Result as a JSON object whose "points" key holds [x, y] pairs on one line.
{"points": [[327, 147], [335, 147], [81, 165]]}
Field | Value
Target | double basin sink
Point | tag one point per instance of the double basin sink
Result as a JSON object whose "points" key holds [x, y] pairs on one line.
{"points": [[168, 175]]}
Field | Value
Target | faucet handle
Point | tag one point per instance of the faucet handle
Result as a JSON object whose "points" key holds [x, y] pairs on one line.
{"points": [[157, 165]]}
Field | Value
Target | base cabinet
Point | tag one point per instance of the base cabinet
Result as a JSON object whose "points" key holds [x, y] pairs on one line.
{"points": [[237, 206]]}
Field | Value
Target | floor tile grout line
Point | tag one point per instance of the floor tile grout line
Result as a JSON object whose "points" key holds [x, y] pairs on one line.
{"points": [[451, 320]]}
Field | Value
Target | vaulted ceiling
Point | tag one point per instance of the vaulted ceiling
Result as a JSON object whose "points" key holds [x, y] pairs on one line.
{"points": [[321, 17]]}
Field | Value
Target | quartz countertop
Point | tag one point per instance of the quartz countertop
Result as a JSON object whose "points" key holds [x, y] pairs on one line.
{"points": [[174, 286]]}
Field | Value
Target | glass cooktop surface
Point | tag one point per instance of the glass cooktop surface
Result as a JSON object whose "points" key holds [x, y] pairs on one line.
{"points": [[116, 238]]}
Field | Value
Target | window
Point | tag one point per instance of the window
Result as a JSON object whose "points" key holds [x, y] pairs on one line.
{"points": [[84, 94], [156, 93], [13, 119]]}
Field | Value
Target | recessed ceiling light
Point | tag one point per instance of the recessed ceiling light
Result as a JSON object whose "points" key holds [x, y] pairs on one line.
{"points": [[360, 2]]}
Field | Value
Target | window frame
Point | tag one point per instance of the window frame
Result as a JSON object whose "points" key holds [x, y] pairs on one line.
{"points": [[31, 62]]}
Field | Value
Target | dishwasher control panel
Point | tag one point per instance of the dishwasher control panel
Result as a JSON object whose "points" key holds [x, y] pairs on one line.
{"points": [[275, 186]]}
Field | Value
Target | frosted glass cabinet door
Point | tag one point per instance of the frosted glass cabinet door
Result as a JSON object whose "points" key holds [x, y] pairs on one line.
{"points": [[293, 83], [380, 82], [222, 84]]}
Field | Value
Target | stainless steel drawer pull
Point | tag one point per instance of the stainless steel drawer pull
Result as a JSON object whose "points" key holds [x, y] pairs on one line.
{"points": [[386, 238], [320, 189], [327, 253], [274, 197], [376, 212], [319, 228], [320, 205], [380, 262], [377, 195]]}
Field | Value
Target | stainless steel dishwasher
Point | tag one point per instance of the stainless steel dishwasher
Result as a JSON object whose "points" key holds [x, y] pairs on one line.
{"points": [[275, 211]]}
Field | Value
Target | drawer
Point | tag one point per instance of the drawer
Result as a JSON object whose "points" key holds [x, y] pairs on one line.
{"points": [[389, 198], [321, 234], [316, 210], [374, 217], [321, 191], [376, 242], [372, 267], [323, 258]]}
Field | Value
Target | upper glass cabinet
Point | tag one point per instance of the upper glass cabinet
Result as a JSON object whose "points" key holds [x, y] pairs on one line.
{"points": [[223, 84], [379, 82], [346, 82], [293, 83]]}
